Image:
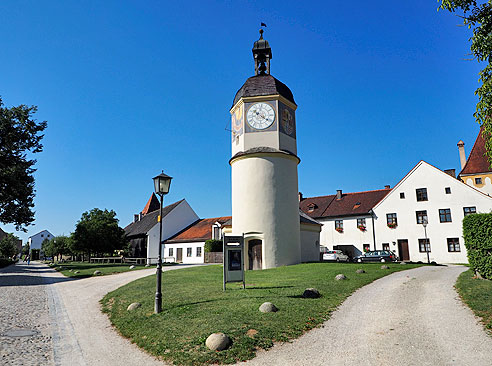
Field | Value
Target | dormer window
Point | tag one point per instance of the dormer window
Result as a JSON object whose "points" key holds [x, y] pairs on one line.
{"points": [[216, 232], [312, 207], [357, 205]]}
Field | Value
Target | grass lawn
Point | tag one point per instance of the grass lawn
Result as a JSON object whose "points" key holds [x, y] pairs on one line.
{"points": [[194, 306], [477, 294], [87, 269]]}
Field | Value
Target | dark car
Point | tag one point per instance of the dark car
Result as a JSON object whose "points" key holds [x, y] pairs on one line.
{"points": [[377, 256]]}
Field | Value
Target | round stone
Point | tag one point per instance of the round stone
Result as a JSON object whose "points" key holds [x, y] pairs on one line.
{"points": [[340, 277], [147, 265], [268, 307], [132, 266], [359, 271], [311, 293], [97, 272], [218, 342], [77, 272], [133, 306], [384, 267], [403, 262]]}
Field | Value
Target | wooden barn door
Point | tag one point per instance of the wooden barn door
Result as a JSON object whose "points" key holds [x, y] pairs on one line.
{"points": [[254, 254]]}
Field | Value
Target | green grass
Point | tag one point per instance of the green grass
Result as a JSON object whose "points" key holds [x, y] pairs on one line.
{"points": [[194, 306], [477, 294], [87, 269]]}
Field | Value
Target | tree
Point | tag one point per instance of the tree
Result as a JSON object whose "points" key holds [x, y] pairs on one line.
{"points": [[8, 246], [98, 232], [19, 135], [477, 15], [56, 247]]}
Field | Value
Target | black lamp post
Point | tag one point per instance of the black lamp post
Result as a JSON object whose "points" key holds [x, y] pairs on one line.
{"points": [[427, 244], [162, 182]]}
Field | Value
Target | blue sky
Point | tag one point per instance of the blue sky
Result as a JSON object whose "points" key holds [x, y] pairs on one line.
{"points": [[133, 87]]}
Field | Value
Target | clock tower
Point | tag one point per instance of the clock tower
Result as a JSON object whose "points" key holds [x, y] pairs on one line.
{"points": [[265, 206]]}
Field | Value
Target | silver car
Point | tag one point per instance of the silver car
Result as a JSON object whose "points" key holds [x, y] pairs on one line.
{"points": [[335, 255]]}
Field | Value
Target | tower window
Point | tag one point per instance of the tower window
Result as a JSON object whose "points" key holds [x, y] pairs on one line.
{"points": [[478, 180], [402, 195], [447, 190]]}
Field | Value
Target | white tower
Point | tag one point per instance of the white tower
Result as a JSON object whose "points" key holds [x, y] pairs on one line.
{"points": [[265, 206]]}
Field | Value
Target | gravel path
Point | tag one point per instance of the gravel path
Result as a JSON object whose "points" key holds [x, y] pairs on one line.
{"points": [[24, 310], [413, 317]]}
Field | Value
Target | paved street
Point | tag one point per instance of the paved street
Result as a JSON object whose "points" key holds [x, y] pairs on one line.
{"points": [[409, 318]]}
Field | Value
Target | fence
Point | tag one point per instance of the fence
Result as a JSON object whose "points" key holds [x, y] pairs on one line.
{"points": [[214, 257]]}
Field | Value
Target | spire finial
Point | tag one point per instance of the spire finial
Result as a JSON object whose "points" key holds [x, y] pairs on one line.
{"points": [[262, 54], [261, 33]]}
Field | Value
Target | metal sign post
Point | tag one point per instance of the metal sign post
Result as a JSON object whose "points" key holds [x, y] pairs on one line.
{"points": [[233, 259]]}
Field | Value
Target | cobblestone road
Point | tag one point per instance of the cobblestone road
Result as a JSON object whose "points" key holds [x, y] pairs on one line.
{"points": [[25, 335]]}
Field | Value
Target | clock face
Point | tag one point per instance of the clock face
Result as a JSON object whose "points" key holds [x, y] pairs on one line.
{"points": [[260, 116]]}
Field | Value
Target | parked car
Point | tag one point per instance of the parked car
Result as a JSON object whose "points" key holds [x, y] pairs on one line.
{"points": [[377, 256], [335, 255]]}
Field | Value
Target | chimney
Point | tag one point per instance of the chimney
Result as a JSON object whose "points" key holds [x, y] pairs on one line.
{"points": [[387, 186], [140, 215], [339, 194], [461, 148], [136, 217], [300, 197], [451, 172]]}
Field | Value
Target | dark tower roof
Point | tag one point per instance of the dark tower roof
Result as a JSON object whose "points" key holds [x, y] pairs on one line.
{"points": [[259, 85], [263, 83]]}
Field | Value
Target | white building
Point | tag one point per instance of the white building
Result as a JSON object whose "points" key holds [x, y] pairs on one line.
{"points": [[428, 194], [144, 231], [35, 242], [393, 218]]}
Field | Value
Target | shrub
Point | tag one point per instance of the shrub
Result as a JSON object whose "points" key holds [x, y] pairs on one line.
{"points": [[213, 245], [477, 232]]}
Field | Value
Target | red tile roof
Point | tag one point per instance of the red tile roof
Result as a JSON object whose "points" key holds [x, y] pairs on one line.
{"points": [[351, 204], [477, 161], [152, 205], [200, 230]]}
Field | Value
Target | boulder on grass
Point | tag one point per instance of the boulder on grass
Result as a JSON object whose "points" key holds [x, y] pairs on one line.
{"points": [[147, 265], [340, 277], [403, 262], [311, 293], [268, 307], [359, 271], [384, 266], [132, 266], [133, 306], [77, 272], [97, 273], [218, 342]]}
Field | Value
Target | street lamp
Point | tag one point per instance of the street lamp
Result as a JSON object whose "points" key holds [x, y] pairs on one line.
{"points": [[162, 182], [427, 244]]}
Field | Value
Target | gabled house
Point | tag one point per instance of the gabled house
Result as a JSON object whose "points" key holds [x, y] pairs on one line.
{"points": [[427, 194], [143, 232], [35, 242], [346, 218], [476, 170]]}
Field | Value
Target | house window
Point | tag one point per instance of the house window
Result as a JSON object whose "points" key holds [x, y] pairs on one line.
{"points": [[445, 215], [478, 180], [402, 195], [453, 245], [338, 224], [42, 235], [171, 252], [198, 251], [424, 245], [447, 190], [421, 194], [391, 219], [311, 207], [469, 210], [386, 246], [188, 252], [366, 247], [422, 217], [361, 222]]}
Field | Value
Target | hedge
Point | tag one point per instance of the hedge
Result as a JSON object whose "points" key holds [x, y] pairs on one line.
{"points": [[4, 262], [213, 246], [477, 232]]}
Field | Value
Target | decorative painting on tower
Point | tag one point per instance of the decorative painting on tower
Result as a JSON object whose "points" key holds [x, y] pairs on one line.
{"points": [[287, 120], [237, 122]]}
